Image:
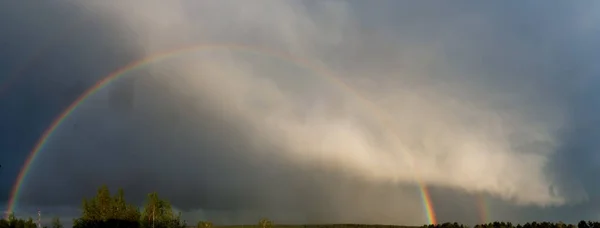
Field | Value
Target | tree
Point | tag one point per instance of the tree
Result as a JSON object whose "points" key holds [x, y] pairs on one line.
{"points": [[106, 211], [12, 217], [158, 213], [4, 223], [121, 210], [104, 204], [204, 224], [29, 223], [56, 223], [265, 223]]}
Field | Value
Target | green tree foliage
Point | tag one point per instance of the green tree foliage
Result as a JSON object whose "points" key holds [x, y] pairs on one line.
{"points": [[105, 210], [265, 223], [56, 223], [204, 224], [158, 213], [14, 222], [29, 223]]}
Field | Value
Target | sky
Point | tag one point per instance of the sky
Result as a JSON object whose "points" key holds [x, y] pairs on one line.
{"points": [[307, 111]]}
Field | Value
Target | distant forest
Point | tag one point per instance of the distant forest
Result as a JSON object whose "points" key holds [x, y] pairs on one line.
{"points": [[108, 211]]}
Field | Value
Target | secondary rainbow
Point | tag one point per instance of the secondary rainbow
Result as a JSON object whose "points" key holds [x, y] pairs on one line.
{"points": [[322, 71]]}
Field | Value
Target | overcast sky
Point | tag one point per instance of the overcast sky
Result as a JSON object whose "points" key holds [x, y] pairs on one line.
{"points": [[330, 113]]}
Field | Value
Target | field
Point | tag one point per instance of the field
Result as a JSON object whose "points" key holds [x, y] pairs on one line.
{"points": [[321, 226]]}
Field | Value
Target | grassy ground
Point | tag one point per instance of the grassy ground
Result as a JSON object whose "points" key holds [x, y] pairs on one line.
{"points": [[321, 226]]}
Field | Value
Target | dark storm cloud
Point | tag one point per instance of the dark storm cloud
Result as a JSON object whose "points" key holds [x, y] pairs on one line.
{"points": [[49, 59], [488, 98]]}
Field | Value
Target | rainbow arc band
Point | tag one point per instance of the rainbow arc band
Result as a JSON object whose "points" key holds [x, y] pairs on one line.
{"points": [[322, 71]]}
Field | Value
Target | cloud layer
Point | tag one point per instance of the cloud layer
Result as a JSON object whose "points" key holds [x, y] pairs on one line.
{"points": [[467, 98]]}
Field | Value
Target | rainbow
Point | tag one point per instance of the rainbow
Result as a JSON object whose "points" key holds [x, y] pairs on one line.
{"points": [[427, 204], [18, 185], [483, 209]]}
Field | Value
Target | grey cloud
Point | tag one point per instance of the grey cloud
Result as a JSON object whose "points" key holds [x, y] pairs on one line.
{"points": [[482, 98]]}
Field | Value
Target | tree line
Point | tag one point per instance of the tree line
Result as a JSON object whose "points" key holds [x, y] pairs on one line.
{"points": [[106, 210], [581, 224], [113, 211]]}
